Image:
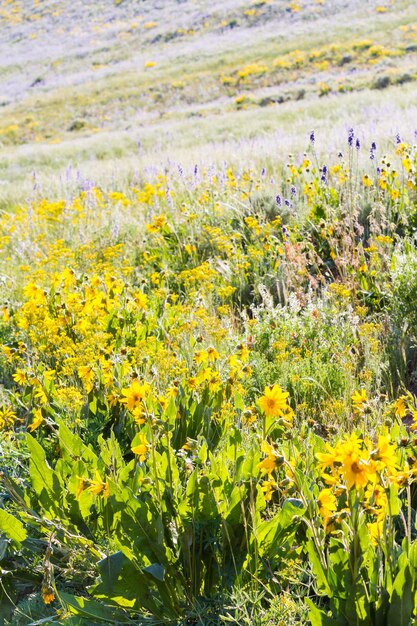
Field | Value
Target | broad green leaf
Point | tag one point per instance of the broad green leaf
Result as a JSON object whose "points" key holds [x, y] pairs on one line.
{"points": [[8, 598], [110, 568], [156, 570], [412, 559], [239, 403], [401, 605], [12, 528], [233, 505], [110, 451], [339, 575], [202, 454], [91, 609], [72, 445], [44, 480], [357, 604], [394, 501], [318, 569], [92, 405], [170, 412], [124, 584], [318, 617]]}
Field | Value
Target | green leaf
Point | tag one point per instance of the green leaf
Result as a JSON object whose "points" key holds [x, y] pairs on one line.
{"points": [[401, 606], [239, 403], [339, 575], [72, 445], [91, 609], [156, 570], [92, 405], [412, 559], [394, 501], [318, 569], [318, 617], [110, 568], [12, 528], [202, 454], [44, 480], [8, 598], [357, 604], [170, 412], [124, 584]]}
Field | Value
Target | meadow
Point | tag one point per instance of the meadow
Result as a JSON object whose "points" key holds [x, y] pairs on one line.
{"points": [[208, 327]]}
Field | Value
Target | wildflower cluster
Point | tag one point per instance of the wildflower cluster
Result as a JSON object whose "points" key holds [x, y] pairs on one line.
{"points": [[202, 385]]}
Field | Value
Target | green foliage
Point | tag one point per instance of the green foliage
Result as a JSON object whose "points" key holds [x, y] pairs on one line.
{"points": [[213, 417]]}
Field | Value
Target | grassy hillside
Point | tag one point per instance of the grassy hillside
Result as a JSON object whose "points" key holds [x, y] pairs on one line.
{"points": [[208, 330], [124, 84]]}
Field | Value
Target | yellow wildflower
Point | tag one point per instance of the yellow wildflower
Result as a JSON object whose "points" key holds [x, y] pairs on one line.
{"points": [[272, 461], [268, 487], [327, 505], [20, 377], [385, 455], [86, 374], [359, 399], [36, 421], [400, 407], [7, 417], [48, 594], [135, 394], [274, 401], [97, 485], [142, 449]]}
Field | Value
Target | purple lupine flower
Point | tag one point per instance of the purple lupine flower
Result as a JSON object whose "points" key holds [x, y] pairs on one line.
{"points": [[358, 144], [263, 172], [312, 137], [398, 138], [278, 200], [287, 202], [372, 151], [293, 191], [195, 169], [351, 135], [169, 198], [87, 184]]}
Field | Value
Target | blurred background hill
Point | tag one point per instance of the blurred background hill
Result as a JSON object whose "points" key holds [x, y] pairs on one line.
{"points": [[109, 87]]}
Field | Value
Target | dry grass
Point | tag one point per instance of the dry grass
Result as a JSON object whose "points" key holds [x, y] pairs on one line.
{"points": [[76, 91]]}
